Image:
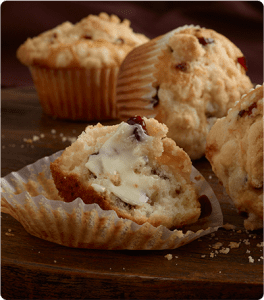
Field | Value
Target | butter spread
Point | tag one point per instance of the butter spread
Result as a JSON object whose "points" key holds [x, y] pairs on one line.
{"points": [[118, 158]]}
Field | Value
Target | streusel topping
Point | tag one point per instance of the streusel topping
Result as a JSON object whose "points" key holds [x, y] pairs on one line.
{"points": [[95, 41]]}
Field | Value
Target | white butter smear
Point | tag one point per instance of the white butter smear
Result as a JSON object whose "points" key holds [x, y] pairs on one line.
{"points": [[117, 157]]}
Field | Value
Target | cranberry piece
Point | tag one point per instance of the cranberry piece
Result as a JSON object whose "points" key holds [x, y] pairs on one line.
{"points": [[87, 37], [182, 66], [53, 37], [95, 153], [242, 61], [137, 120], [248, 111], [205, 41]]}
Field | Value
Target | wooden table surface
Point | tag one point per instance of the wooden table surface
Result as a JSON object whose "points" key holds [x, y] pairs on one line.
{"points": [[37, 269]]}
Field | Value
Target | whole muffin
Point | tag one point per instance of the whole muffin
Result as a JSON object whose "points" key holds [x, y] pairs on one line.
{"points": [[235, 151], [186, 79], [133, 169], [74, 67]]}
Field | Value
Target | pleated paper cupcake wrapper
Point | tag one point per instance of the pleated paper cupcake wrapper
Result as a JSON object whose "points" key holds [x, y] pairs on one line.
{"points": [[136, 89], [30, 196], [77, 94]]}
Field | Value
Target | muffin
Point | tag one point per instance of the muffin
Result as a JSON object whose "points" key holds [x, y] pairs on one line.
{"points": [[235, 151], [74, 67], [133, 169], [186, 79]]}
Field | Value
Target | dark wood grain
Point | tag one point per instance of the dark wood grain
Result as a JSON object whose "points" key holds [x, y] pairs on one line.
{"points": [[36, 269]]}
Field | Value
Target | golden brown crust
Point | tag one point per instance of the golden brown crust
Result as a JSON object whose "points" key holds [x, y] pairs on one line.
{"points": [[95, 41], [186, 79]]}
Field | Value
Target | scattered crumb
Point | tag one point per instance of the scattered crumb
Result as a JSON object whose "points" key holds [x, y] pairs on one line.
{"points": [[42, 135], [248, 251], [176, 256], [239, 231], [53, 131], [224, 250], [234, 245], [212, 254], [217, 245], [29, 141], [168, 256], [9, 234], [203, 256], [250, 259], [246, 242], [260, 244], [55, 261], [228, 226], [35, 138], [220, 271], [210, 176]]}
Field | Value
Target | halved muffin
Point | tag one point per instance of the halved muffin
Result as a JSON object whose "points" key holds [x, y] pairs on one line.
{"points": [[132, 168]]}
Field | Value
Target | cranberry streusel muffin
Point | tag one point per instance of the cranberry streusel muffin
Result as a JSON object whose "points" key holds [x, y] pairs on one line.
{"points": [[132, 168], [186, 79], [74, 67], [235, 151]]}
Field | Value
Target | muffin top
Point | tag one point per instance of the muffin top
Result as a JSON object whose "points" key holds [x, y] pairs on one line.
{"points": [[95, 41]]}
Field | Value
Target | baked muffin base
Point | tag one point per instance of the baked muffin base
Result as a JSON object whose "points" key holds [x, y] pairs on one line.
{"points": [[76, 94]]}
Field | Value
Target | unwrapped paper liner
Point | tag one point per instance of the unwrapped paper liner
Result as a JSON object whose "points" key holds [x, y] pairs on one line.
{"points": [[26, 196]]}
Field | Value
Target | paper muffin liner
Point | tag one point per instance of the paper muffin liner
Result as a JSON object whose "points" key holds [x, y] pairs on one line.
{"points": [[77, 94], [136, 89], [30, 196]]}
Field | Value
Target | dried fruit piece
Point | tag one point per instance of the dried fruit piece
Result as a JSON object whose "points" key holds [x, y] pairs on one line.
{"points": [[205, 41], [182, 66], [242, 61], [137, 120], [248, 111], [87, 37]]}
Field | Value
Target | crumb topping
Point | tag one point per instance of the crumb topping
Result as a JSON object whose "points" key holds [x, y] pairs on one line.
{"points": [[95, 41]]}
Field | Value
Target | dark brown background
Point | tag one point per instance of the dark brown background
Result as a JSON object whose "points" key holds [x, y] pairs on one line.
{"points": [[240, 21]]}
